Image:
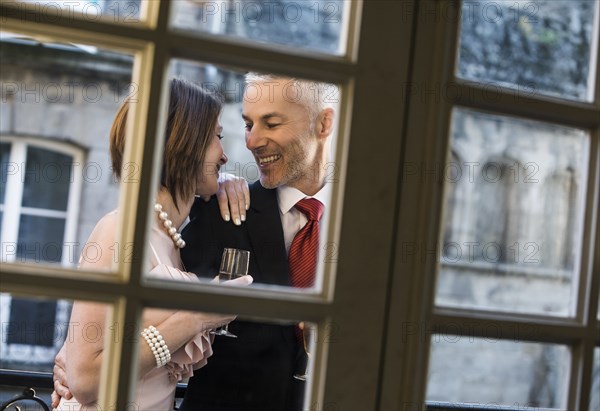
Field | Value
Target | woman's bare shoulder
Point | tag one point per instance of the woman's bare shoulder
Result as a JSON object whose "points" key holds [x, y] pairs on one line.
{"points": [[99, 250]]}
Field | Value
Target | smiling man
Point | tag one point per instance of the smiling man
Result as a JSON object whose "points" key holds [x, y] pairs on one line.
{"points": [[288, 129]]}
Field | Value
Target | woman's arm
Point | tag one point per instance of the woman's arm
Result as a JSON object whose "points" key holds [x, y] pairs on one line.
{"points": [[86, 347], [85, 342]]}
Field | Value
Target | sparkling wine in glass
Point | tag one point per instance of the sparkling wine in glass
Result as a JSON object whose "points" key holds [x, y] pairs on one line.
{"points": [[306, 331], [234, 264]]}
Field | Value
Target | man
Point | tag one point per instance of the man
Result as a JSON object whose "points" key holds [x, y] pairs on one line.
{"points": [[287, 130]]}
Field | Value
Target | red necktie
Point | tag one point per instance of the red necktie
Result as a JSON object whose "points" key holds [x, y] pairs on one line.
{"points": [[304, 250]]}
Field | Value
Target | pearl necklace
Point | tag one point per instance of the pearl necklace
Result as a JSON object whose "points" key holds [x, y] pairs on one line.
{"points": [[175, 236]]}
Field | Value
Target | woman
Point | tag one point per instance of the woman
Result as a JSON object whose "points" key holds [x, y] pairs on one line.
{"points": [[173, 343]]}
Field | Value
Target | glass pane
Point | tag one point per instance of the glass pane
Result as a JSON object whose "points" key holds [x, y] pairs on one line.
{"points": [[595, 395], [318, 25], [115, 11], [254, 133], [263, 359], [41, 240], [47, 179], [61, 104], [542, 46], [4, 166], [33, 330], [513, 214], [229, 85], [490, 372], [272, 369]]}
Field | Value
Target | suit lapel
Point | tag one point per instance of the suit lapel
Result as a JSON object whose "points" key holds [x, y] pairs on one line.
{"points": [[266, 236]]}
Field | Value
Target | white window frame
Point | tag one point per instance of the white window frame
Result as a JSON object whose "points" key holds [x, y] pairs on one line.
{"points": [[12, 208]]}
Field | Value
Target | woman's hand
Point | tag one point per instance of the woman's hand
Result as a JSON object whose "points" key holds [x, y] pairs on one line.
{"points": [[60, 379], [233, 197]]}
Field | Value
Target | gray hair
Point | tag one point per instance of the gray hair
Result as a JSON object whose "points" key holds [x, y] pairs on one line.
{"points": [[312, 95]]}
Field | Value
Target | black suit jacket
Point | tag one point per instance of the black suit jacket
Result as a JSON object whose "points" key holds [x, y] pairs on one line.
{"points": [[254, 371]]}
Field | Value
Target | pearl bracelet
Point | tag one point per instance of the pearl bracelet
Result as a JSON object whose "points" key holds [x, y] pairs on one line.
{"points": [[157, 344]]}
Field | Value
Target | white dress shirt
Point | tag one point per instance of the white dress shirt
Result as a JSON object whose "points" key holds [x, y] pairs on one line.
{"points": [[292, 219]]}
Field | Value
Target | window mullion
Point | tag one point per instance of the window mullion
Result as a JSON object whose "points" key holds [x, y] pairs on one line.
{"points": [[492, 328], [420, 206], [119, 38], [12, 202], [29, 14], [587, 290], [595, 57], [75, 188], [252, 56], [144, 148], [520, 103], [580, 381]]}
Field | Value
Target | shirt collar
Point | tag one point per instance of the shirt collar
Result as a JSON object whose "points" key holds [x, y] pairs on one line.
{"points": [[287, 197]]}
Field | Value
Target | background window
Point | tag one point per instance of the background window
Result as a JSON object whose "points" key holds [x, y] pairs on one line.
{"points": [[514, 214]]}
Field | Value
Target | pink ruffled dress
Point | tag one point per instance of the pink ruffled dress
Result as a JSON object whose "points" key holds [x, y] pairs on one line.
{"points": [[156, 390]]}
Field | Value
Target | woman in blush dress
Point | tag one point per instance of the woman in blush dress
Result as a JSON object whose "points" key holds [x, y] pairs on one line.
{"points": [[173, 343]]}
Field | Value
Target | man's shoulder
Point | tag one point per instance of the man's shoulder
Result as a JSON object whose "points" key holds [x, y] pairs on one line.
{"points": [[260, 199], [259, 194], [201, 206], [258, 187]]}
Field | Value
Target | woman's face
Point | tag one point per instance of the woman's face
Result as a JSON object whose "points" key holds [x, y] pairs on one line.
{"points": [[207, 182]]}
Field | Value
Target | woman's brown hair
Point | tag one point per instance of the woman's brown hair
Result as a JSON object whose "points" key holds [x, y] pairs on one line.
{"points": [[193, 114]]}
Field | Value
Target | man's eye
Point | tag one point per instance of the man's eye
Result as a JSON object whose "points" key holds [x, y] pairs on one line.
{"points": [[248, 127], [221, 136], [272, 125]]}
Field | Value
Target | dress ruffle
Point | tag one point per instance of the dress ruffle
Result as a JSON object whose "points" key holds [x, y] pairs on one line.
{"points": [[194, 354], [190, 357]]}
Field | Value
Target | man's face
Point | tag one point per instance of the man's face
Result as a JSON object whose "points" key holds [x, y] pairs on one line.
{"points": [[279, 134]]}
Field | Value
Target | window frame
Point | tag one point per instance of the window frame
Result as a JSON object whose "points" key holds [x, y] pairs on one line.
{"points": [[368, 321], [18, 154], [19, 145], [153, 44], [407, 355]]}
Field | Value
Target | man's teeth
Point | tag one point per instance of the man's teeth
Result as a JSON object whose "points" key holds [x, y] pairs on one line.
{"points": [[270, 159]]}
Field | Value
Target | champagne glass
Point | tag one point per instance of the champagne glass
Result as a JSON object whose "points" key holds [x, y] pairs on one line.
{"points": [[306, 331], [234, 264]]}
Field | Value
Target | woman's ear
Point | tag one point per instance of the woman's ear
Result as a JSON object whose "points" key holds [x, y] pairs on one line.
{"points": [[325, 122]]}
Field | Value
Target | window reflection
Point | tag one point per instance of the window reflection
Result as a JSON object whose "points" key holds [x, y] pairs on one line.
{"points": [[507, 373], [314, 25], [513, 214], [542, 46], [115, 11]]}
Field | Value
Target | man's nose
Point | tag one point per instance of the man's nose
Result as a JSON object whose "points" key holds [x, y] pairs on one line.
{"points": [[254, 139]]}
